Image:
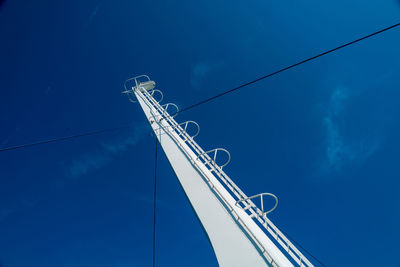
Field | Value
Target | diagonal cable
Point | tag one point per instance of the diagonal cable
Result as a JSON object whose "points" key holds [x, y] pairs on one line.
{"points": [[59, 139], [287, 68], [213, 97]]}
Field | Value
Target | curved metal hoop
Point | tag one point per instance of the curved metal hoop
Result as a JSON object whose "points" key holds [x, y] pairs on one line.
{"points": [[129, 92], [264, 213], [130, 98], [141, 76], [215, 150], [151, 92], [165, 107], [186, 123], [183, 129]]}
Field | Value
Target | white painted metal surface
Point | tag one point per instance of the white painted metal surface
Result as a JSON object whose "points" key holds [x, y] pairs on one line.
{"points": [[231, 220]]}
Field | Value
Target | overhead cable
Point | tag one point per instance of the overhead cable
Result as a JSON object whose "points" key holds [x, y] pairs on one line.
{"points": [[216, 96], [287, 68], [59, 139], [155, 203]]}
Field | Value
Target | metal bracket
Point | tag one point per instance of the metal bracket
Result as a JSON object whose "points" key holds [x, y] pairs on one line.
{"points": [[249, 204], [215, 150]]}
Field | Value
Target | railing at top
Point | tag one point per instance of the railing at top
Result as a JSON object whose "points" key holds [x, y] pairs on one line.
{"points": [[242, 201], [138, 83]]}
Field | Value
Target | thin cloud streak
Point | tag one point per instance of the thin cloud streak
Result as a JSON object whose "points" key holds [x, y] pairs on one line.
{"points": [[148, 199], [336, 151], [19, 206], [91, 17], [339, 150], [5, 141], [200, 72], [96, 160], [5, 213]]}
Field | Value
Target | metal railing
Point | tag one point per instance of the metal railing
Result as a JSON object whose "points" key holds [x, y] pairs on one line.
{"points": [[214, 158], [263, 213], [242, 201]]}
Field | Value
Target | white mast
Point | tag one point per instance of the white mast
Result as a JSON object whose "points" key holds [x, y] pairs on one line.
{"points": [[240, 232]]}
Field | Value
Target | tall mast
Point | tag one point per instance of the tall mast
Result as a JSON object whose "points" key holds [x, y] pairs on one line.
{"points": [[240, 233]]}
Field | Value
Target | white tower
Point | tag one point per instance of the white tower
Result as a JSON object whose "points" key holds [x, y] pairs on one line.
{"points": [[240, 233]]}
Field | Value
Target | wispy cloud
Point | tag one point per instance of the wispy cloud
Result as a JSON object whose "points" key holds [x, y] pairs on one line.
{"points": [[4, 213], [200, 72], [48, 89], [339, 149], [107, 151], [91, 17], [4, 142], [88, 162], [338, 100], [336, 151], [149, 199], [16, 207]]}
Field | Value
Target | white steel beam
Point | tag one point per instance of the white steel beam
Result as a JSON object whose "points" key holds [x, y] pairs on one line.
{"points": [[235, 237]]}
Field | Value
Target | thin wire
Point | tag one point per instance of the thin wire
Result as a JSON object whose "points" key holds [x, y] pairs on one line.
{"points": [[213, 97], [198, 104], [64, 138], [155, 204], [286, 68]]}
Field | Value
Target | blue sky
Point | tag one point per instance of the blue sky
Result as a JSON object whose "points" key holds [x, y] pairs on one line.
{"points": [[322, 137]]}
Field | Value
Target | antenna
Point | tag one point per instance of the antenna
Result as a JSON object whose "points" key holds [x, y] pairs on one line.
{"points": [[240, 232]]}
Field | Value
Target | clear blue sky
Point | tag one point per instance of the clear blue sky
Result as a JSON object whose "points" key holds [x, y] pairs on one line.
{"points": [[322, 137]]}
